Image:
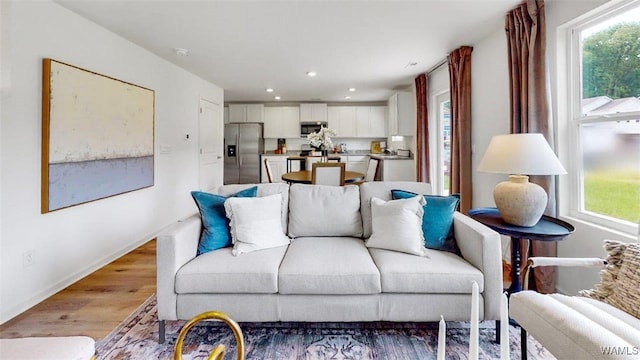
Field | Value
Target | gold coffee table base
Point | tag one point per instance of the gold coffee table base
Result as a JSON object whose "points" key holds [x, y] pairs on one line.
{"points": [[218, 352]]}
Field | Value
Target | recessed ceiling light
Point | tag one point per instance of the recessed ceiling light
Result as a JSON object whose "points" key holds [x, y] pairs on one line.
{"points": [[348, 97], [352, 89], [181, 51], [311, 73], [277, 97], [268, 90]]}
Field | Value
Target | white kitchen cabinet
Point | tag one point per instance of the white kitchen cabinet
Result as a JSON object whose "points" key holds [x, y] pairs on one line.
{"points": [[313, 112], [371, 121], [246, 113], [237, 113], [226, 114], [401, 109], [357, 163], [378, 121], [342, 119], [282, 122], [278, 165], [398, 170]]}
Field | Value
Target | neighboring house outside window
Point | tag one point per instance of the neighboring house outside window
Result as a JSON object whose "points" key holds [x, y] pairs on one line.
{"points": [[604, 120]]}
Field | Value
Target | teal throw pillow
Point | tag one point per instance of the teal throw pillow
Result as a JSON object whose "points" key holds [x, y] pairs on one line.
{"points": [[215, 225], [437, 221]]}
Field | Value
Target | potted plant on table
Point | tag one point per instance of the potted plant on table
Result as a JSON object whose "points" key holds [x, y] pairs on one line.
{"points": [[321, 140]]}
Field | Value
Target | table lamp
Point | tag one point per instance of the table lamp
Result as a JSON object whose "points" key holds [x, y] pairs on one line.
{"points": [[520, 202]]}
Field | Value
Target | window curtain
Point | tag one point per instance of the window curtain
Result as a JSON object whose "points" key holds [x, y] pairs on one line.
{"points": [[460, 93], [422, 130], [529, 98]]}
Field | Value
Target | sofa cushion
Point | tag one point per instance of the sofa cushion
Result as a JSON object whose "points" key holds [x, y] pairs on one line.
{"points": [[397, 225], [255, 223], [219, 271], [613, 311], [264, 190], [436, 273], [565, 331], [382, 190], [321, 210], [215, 225], [628, 331], [328, 265], [437, 221]]}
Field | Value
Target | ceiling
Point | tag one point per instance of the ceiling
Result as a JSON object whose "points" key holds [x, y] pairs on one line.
{"points": [[248, 46]]}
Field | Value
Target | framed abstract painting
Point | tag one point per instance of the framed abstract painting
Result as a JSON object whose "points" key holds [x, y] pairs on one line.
{"points": [[97, 136]]}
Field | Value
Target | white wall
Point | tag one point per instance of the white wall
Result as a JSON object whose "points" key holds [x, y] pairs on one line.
{"points": [[490, 112], [73, 242], [489, 107]]}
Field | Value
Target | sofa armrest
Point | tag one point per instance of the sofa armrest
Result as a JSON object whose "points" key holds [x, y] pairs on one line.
{"points": [[482, 248], [176, 246]]}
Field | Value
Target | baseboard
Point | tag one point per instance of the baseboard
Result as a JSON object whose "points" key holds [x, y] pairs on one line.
{"points": [[9, 314]]}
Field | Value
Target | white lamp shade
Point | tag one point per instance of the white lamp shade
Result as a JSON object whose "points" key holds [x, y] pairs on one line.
{"points": [[526, 154]]}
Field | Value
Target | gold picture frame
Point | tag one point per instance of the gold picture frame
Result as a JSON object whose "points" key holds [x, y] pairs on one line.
{"points": [[97, 136]]}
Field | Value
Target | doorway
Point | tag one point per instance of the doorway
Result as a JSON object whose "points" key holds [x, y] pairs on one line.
{"points": [[210, 142]]}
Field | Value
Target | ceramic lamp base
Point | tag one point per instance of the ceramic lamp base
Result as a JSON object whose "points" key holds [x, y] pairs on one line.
{"points": [[520, 202]]}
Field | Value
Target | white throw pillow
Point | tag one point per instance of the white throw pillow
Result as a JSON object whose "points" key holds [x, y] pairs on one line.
{"points": [[255, 223], [397, 225]]}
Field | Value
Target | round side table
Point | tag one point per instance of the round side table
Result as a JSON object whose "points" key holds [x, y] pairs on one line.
{"points": [[547, 229]]}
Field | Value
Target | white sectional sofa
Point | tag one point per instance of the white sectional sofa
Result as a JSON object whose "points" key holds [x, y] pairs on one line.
{"points": [[327, 273]]}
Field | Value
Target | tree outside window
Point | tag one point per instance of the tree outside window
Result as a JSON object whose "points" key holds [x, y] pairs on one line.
{"points": [[609, 119]]}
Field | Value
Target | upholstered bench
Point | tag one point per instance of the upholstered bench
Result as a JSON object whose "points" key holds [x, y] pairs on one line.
{"points": [[48, 348], [601, 323]]}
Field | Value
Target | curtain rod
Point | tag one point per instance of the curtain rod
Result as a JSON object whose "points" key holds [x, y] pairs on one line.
{"points": [[436, 66]]}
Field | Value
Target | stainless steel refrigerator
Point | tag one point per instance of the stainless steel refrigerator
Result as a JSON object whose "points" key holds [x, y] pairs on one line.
{"points": [[243, 145]]}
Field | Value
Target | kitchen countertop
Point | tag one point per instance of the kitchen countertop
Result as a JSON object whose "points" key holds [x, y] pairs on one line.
{"points": [[297, 153], [390, 157]]}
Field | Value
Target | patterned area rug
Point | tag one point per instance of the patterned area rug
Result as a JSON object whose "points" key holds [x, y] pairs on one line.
{"points": [[137, 338]]}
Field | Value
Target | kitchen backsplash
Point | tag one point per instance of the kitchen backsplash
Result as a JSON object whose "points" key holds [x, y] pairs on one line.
{"points": [[296, 144]]}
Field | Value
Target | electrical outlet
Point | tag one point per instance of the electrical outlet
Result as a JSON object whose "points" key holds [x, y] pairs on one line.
{"points": [[28, 258]]}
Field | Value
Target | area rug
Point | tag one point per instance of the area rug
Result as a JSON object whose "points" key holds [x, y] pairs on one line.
{"points": [[137, 338]]}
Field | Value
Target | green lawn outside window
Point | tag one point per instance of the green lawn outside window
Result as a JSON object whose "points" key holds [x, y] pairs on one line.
{"points": [[613, 194]]}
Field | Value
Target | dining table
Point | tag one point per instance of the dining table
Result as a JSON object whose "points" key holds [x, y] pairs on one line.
{"points": [[304, 177]]}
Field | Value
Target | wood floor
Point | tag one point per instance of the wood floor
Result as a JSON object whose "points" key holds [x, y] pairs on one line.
{"points": [[96, 304]]}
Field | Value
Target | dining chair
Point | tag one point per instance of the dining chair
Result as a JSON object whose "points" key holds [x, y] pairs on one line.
{"points": [[328, 173], [267, 167], [372, 170], [314, 159]]}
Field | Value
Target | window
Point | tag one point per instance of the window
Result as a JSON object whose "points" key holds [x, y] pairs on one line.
{"points": [[444, 141], [605, 120]]}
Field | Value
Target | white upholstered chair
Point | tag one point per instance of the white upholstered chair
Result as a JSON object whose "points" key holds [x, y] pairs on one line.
{"points": [[267, 167], [585, 326], [328, 173], [372, 170]]}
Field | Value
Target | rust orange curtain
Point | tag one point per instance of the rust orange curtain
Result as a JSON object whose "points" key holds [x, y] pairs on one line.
{"points": [[460, 93], [422, 130], [529, 99]]}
